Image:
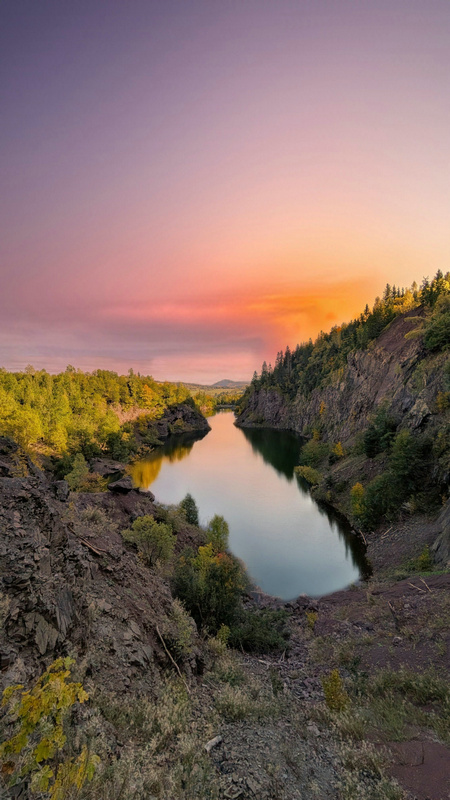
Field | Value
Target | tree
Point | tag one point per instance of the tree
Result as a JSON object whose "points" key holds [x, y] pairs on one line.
{"points": [[155, 540], [79, 472], [217, 534], [189, 506]]}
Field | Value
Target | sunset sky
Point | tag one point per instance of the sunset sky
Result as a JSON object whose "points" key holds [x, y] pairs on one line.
{"points": [[190, 186]]}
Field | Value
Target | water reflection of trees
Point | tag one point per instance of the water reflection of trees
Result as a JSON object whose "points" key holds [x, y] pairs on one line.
{"points": [[338, 524], [280, 449], [145, 472]]}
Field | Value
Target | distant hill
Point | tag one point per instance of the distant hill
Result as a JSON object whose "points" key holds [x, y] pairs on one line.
{"points": [[227, 384]]}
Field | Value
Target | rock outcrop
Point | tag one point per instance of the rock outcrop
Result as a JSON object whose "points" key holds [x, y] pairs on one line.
{"points": [[394, 370], [73, 587]]}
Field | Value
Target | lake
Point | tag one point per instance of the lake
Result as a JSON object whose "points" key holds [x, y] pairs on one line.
{"points": [[289, 543]]}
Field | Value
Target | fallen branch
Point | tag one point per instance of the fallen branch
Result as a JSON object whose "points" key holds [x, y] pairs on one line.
{"points": [[172, 660], [212, 743], [91, 547], [417, 587], [426, 584]]}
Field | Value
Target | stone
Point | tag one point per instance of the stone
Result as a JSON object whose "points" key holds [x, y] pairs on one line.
{"points": [[62, 491], [45, 636], [122, 486]]}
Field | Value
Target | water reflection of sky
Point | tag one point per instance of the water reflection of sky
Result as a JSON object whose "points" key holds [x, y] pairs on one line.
{"points": [[288, 543]]}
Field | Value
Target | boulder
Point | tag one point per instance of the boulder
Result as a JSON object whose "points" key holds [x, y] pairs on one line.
{"points": [[123, 485]]}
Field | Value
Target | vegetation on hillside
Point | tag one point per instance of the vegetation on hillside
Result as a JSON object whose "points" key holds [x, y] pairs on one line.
{"points": [[93, 414], [311, 364]]}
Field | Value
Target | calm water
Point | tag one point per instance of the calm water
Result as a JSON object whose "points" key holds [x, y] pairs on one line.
{"points": [[289, 544]]}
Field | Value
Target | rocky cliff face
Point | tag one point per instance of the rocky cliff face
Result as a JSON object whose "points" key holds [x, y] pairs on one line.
{"points": [[394, 370], [73, 588]]}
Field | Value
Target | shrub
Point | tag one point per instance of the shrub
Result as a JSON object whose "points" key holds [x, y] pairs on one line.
{"points": [[179, 631], [261, 631], [39, 716], [336, 697], [337, 453], [379, 435], [357, 500], [380, 499], [217, 534], [189, 506], [313, 453], [309, 474], [211, 586], [79, 472], [155, 540]]}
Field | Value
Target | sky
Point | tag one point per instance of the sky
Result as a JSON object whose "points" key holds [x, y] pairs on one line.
{"points": [[191, 185]]}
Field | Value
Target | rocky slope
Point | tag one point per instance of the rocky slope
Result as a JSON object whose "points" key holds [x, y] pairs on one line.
{"points": [[395, 370], [215, 724]]}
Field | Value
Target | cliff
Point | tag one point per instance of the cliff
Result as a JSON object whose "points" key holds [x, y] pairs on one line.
{"points": [[394, 370]]}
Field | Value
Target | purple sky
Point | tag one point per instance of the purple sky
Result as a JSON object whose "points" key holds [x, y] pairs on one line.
{"points": [[190, 186]]}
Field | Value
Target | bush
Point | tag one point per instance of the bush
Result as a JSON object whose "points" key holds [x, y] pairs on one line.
{"points": [[155, 540], [39, 717], [309, 474], [313, 453], [79, 472], [379, 435], [211, 586], [380, 499], [261, 631], [189, 507], [336, 697], [357, 500]]}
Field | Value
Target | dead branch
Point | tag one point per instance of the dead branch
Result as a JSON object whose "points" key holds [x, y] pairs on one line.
{"points": [[172, 660]]}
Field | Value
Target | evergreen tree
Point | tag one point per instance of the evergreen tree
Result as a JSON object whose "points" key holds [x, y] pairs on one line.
{"points": [[189, 506]]}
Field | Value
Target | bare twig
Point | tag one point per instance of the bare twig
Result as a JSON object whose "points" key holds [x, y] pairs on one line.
{"points": [[417, 587], [426, 584], [91, 547], [172, 660]]}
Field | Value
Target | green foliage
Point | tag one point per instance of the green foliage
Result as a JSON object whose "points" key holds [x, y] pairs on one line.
{"points": [[437, 328], [379, 435], [34, 750], [313, 453], [78, 412], [211, 586], [314, 364], [155, 540], [217, 534], [179, 632], [408, 478], [312, 476], [336, 697], [79, 472], [423, 562], [260, 631], [189, 506]]}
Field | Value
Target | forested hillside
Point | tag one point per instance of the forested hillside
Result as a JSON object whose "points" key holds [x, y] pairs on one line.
{"points": [[373, 399]]}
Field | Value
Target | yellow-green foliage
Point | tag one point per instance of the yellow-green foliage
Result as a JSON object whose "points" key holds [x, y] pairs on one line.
{"points": [[338, 450], [357, 500], [336, 697], [38, 716], [309, 474], [311, 616], [443, 401], [155, 540]]}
